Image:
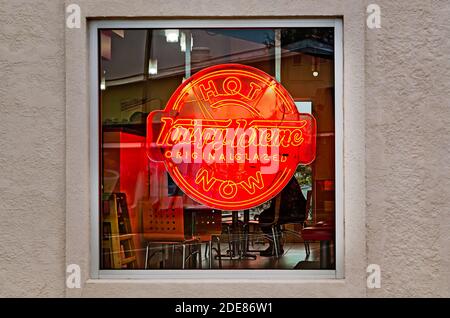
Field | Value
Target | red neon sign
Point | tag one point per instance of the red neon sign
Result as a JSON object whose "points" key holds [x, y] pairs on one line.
{"points": [[231, 137]]}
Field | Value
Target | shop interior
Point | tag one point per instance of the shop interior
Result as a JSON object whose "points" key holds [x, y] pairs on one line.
{"points": [[146, 221]]}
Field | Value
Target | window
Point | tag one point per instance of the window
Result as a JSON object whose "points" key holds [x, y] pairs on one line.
{"points": [[151, 218]]}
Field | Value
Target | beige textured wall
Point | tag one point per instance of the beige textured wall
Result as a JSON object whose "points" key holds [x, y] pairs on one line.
{"points": [[405, 223], [408, 148], [32, 148]]}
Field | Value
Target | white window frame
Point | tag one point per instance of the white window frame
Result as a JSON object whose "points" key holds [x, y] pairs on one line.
{"points": [[272, 275]]}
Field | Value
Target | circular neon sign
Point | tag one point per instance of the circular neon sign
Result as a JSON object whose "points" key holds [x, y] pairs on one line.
{"points": [[231, 137]]}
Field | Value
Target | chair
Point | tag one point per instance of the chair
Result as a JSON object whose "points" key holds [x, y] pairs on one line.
{"points": [[275, 223], [320, 231], [302, 223], [208, 228], [164, 224], [323, 232]]}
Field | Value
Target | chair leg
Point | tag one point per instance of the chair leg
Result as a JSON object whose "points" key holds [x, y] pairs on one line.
{"points": [[230, 249], [146, 256], [245, 227], [219, 253], [172, 261], [307, 248], [184, 257], [210, 253], [163, 252], [275, 240], [199, 252]]}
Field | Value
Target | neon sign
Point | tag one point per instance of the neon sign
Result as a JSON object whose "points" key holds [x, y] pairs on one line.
{"points": [[231, 137]]}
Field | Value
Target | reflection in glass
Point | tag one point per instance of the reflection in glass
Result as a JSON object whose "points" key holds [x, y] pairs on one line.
{"points": [[146, 220]]}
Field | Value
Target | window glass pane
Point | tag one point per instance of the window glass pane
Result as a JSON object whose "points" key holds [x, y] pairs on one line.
{"points": [[148, 219]]}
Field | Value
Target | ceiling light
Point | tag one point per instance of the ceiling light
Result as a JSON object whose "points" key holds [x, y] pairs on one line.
{"points": [[315, 66], [103, 81], [172, 35], [183, 42], [153, 67]]}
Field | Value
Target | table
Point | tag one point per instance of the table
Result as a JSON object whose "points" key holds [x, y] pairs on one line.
{"points": [[238, 232], [238, 247]]}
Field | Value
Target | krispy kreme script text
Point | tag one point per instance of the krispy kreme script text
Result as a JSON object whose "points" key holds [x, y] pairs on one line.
{"points": [[228, 141]]}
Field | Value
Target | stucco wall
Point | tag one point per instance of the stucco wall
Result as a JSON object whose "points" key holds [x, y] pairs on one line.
{"points": [[404, 153], [408, 148], [32, 148]]}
